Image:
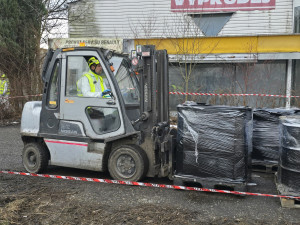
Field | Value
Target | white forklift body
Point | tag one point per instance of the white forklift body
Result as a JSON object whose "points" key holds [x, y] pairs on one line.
{"points": [[126, 133]]}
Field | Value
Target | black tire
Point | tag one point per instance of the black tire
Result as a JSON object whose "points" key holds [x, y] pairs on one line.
{"points": [[35, 158], [128, 163]]}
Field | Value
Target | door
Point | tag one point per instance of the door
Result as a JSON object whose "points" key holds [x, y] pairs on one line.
{"points": [[101, 117], [49, 121]]}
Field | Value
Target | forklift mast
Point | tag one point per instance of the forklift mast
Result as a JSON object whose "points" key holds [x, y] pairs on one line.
{"points": [[153, 70], [154, 85]]}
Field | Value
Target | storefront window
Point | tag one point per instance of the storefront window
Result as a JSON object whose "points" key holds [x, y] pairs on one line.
{"points": [[296, 83], [226, 78]]}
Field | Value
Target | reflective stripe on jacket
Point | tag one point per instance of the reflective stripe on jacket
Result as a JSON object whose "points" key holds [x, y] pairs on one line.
{"points": [[89, 76], [4, 89], [8, 89]]}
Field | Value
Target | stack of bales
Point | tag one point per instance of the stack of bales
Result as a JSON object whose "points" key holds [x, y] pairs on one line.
{"points": [[214, 142], [289, 161], [266, 134]]}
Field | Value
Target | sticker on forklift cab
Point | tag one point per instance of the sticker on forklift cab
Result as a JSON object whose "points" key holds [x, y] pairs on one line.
{"points": [[69, 101], [145, 54], [67, 49], [139, 48], [82, 44], [133, 54], [134, 61]]}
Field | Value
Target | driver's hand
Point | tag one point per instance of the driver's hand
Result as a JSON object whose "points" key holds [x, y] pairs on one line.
{"points": [[105, 92]]}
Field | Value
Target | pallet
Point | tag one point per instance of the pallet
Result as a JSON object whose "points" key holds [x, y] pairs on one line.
{"points": [[209, 184], [287, 202], [264, 167], [290, 203]]}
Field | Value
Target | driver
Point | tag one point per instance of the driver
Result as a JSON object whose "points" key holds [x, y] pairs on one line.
{"points": [[91, 84]]}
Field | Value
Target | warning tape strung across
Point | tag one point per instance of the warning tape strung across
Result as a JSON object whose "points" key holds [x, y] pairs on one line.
{"points": [[193, 94], [26, 96], [214, 94], [131, 183]]}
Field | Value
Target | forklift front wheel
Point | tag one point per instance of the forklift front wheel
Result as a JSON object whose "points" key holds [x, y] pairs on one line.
{"points": [[128, 163], [35, 158]]}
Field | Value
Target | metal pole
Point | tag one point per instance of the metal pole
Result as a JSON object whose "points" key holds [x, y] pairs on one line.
{"points": [[289, 83]]}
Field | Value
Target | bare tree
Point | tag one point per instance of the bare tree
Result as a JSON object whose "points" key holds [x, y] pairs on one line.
{"points": [[25, 25]]}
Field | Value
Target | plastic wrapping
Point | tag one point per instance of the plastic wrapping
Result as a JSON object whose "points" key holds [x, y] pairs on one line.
{"points": [[290, 158], [266, 134], [289, 152], [214, 142]]}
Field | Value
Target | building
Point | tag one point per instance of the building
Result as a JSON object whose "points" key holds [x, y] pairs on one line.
{"points": [[215, 46]]}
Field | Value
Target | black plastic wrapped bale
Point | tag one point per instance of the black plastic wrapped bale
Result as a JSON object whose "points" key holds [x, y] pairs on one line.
{"points": [[266, 135], [214, 142], [288, 175]]}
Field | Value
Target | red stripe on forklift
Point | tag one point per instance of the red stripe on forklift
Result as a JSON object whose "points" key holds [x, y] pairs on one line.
{"points": [[131, 183], [66, 143]]}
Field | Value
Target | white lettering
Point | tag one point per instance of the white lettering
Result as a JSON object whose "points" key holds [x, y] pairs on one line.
{"points": [[192, 2], [200, 2], [214, 2], [255, 1], [179, 2], [265, 1], [242, 1], [229, 2]]}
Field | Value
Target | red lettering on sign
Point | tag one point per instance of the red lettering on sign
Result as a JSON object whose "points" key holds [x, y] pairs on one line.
{"points": [[221, 5]]}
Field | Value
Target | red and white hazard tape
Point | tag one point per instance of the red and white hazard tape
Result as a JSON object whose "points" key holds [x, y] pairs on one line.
{"points": [[26, 96], [193, 94], [214, 94], [131, 183]]}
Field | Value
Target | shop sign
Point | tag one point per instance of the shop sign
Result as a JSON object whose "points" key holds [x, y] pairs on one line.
{"points": [[107, 43], [221, 5]]}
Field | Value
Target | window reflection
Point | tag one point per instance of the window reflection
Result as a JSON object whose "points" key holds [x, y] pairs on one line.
{"points": [[127, 83], [103, 120]]}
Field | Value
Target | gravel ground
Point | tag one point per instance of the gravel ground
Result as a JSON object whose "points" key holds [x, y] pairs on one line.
{"points": [[32, 200]]}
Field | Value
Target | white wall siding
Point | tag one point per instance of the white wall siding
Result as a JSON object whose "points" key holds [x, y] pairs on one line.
{"points": [[145, 18], [277, 21], [82, 20]]}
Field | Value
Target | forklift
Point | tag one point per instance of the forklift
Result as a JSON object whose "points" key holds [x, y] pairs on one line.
{"points": [[127, 134]]}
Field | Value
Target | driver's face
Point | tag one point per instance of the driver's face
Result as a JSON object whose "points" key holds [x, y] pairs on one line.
{"points": [[98, 69]]}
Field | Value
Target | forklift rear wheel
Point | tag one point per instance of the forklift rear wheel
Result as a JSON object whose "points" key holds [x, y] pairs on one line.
{"points": [[35, 158], [128, 163]]}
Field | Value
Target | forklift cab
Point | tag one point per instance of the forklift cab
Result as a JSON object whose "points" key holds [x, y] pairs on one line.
{"points": [[125, 132], [98, 117]]}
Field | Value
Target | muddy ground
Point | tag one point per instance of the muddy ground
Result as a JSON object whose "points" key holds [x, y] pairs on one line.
{"points": [[33, 200]]}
